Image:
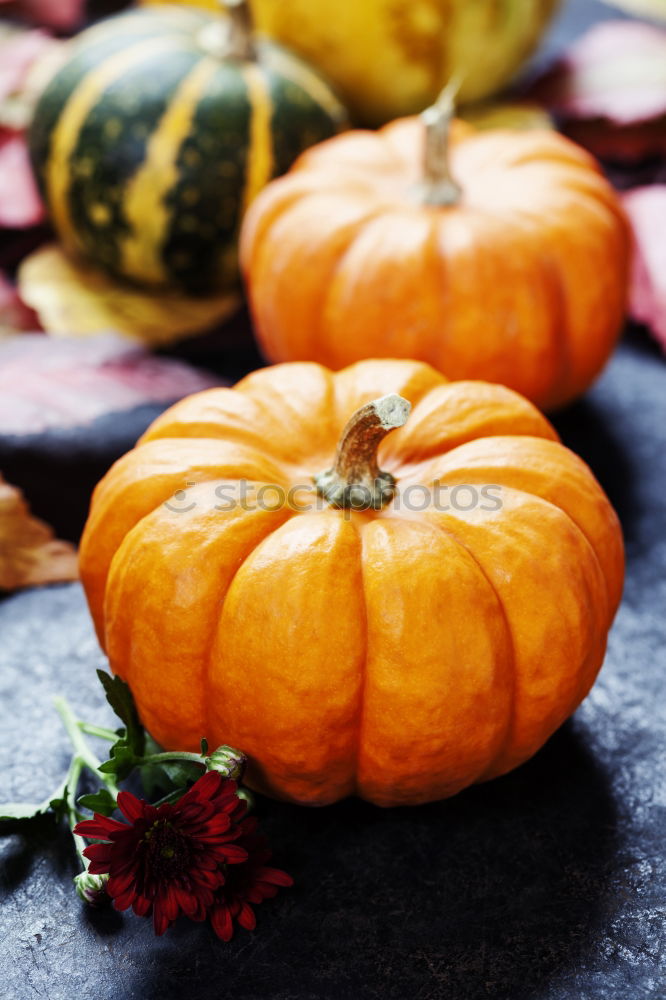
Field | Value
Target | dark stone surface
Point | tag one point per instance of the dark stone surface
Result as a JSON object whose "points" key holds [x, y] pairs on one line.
{"points": [[548, 884]]}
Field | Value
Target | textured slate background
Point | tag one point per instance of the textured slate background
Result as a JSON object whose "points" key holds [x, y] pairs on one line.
{"points": [[549, 884]]}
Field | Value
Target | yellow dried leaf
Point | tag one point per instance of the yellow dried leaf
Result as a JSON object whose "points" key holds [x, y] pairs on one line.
{"points": [[499, 114], [29, 554], [73, 298]]}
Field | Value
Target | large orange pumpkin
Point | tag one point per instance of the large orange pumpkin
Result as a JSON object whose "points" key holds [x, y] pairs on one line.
{"points": [[508, 263], [402, 651]]}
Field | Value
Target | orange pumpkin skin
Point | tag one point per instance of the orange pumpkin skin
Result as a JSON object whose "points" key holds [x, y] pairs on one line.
{"points": [[523, 282], [397, 654]]}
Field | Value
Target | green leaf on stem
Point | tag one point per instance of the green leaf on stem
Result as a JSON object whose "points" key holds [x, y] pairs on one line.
{"points": [[100, 801], [165, 777], [180, 772], [21, 810], [121, 701], [204, 746], [131, 740], [59, 804], [153, 778], [122, 760]]}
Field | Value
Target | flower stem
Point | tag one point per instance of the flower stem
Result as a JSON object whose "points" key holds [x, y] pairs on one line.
{"points": [[83, 757], [159, 758], [99, 731], [82, 749]]}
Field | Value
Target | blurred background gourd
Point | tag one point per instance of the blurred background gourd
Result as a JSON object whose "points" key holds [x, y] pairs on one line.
{"points": [[392, 57], [499, 255], [159, 130]]}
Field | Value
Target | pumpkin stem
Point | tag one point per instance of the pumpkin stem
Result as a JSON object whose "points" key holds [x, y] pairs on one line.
{"points": [[438, 186], [233, 36], [240, 40], [355, 480]]}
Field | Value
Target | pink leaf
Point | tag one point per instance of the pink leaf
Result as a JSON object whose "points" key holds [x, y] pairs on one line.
{"points": [[14, 314], [20, 204], [46, 383], [64, 15], [18, 51], [646, 208], [617, 70]]}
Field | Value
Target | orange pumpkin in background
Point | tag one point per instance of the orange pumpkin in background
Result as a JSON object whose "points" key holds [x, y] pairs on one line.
{"points": [[500, 255], [401, 648]]}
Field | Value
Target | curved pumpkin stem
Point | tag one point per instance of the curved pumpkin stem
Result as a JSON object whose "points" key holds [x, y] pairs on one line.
{"points": [[355, 480], [233, 37], [438, 186], [240, 40]]}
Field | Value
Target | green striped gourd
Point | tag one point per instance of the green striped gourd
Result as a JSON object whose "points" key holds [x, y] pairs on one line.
{"points": [[154, 137]]}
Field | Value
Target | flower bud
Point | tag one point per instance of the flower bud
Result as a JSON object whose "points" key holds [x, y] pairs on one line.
{"points": [[228, 762], [91, 888], [248, 798]]}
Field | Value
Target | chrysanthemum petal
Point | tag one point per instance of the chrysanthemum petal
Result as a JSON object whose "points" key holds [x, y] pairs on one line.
{"points": [[221, 921], [246, 917]]}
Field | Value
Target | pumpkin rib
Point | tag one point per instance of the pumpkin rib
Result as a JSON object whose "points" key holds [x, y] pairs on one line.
{"points": [[153, 546], [389, 752], [493, 247], [593, 656], [587, 675], [282, 393], [481, 410], [371, 258], [209, 665], [298, 725], [304, 329], [240, 418], [509, 633], [532, 464], [363, 661], [358, 384], [124, 497], [571, 334]]}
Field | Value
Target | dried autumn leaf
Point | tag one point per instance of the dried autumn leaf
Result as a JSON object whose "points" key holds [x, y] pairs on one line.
{"points": [[28, 58], [29, 554], [646, 208], [20, 204], [73, 298], [64, 15], [14, 314], [52, 384], [616, 70]]}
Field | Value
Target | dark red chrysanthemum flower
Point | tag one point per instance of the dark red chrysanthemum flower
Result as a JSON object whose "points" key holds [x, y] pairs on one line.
{"points": [[249, 883], [169, 859]]}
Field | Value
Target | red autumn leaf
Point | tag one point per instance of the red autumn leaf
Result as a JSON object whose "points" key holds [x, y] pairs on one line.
{"points": [[28, 58], [609, 92], [63, 15], [20, 204], [646, 208], [18, 51], [616, 70], [14, 314], [47, 382], [29, 554]]}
